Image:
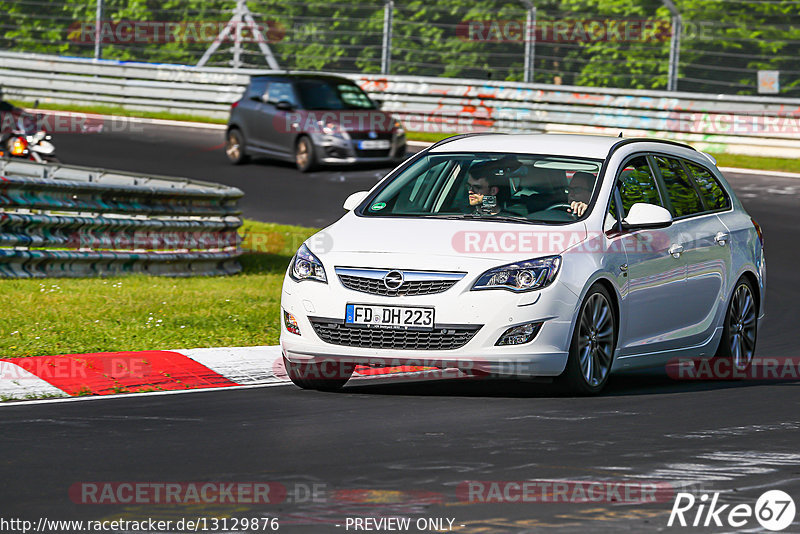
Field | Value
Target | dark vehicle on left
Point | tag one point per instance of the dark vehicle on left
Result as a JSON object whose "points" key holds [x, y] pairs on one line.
{"points": [[311, 120], [22, 135]]}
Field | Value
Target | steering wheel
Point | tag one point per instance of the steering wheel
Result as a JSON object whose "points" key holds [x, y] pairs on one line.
{"points": [[563, 206]]}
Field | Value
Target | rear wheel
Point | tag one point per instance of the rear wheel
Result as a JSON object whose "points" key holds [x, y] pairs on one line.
{"points": [[740, 330], [234, 147], [304, 155], [593, 342], [328, 375]]}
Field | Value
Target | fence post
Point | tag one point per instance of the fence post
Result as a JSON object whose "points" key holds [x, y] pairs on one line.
{"points": [[98, 37], [530, 41], [674, 45], [386, 49], [237, 35]]}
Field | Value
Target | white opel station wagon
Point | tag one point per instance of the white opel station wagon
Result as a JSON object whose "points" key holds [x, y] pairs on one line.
{"points": [[562, 256]]}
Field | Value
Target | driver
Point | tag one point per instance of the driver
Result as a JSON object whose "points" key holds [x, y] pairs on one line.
{"points": [[580, 192]]}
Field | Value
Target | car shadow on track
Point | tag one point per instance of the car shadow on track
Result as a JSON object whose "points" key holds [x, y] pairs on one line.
{"points": [[290, 166], [645, 382]]}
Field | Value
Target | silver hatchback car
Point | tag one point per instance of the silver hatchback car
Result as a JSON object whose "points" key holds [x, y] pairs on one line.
{"points": [[530, 255]]}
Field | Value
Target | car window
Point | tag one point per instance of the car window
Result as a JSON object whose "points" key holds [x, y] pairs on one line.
{"points": [[681, 192], [637, 184], [353, 96], [321, 94], [257, 88], [712, 191], [534, 187], [281, 92]]}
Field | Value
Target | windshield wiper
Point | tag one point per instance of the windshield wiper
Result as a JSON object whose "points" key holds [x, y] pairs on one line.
{"points": [[497, 217], [476, 217]]}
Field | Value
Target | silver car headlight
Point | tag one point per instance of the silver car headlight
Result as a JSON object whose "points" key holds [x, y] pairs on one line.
{"points": [[521, 276], [306, 266]]}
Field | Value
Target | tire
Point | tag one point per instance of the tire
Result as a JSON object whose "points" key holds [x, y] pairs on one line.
{"points": [[594, 340], [740, 328], [235, 147], [328, 376], [305, 156]]}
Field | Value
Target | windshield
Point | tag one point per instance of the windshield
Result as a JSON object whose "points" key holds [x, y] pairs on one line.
{"points": [[519, 187], [318, 94]]}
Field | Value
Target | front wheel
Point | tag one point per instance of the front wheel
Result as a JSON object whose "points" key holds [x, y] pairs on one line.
{"points": [[739, 332], [593, 343], [235, 148], [304, 155], [328, 375]]}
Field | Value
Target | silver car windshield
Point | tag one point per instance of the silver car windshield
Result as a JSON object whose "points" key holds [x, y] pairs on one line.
{"points": [[518, 187]]}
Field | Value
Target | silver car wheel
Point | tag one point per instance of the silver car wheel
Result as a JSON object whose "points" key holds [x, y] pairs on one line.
{"points": [[596, 339], [742, 327]]}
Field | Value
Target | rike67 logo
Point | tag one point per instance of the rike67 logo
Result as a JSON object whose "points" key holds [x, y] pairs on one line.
{"points": [[774, 510]]}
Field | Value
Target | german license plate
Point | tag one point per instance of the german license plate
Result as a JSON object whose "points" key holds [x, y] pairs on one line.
{"points": [[411, 318], [374, 144]]}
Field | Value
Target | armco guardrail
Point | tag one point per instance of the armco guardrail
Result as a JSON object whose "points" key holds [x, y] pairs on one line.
{"points": [[767, 126], [66, 221]]}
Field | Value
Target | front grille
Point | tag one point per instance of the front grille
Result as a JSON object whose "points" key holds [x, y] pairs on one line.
{"points": [[361, 136], [382, 153], [371, 281], [384, 338], [375, 286]]}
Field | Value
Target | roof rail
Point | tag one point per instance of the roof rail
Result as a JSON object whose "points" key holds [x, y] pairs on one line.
{"points": [[462, 136], [649, 140]]}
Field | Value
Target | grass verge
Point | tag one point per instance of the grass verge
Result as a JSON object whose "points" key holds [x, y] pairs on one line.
{"points": [[65, 316]]}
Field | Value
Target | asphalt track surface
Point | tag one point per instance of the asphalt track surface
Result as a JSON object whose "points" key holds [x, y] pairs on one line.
{"points": [[406, 449]]}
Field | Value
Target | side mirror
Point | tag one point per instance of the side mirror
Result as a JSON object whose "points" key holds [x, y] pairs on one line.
{"points": [[642, 215], [284, 105], [354, 200]]}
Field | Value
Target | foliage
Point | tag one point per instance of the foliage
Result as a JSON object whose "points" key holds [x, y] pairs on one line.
{"points": [[724, 44]]}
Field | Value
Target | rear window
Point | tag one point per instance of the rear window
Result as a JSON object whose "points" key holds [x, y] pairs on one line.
{"points": [[320, 94], [257, 88], [713, 193], [681, 192]]}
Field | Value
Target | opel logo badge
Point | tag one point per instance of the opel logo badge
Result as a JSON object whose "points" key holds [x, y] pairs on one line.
{"points": [[393, 280], [372, 135]]}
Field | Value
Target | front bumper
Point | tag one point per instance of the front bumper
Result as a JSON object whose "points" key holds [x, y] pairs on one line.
{"points": [[335, 150], [494, 310]]}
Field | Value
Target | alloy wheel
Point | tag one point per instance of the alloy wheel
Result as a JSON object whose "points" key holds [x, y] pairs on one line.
{"points": [[596, 339], [742, 327]]}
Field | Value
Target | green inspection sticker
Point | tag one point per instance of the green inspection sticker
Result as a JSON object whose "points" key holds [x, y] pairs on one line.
{"points": [[378, 206]]}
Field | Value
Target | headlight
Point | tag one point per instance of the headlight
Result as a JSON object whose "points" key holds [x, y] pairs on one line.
{"points": [[398, 127], [521, 276], [306, 266], [331, 128]]}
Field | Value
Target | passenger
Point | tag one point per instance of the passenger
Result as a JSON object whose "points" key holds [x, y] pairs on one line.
{"points": [[483, 183]]}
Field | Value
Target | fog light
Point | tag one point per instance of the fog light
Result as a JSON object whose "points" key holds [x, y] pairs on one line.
{"points": [[291, 323], [518, 335]]}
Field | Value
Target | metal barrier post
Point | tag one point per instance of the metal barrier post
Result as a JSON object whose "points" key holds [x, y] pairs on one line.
{"points": [[386, 49]]}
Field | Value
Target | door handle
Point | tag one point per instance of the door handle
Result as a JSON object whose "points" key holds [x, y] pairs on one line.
{"points": [[721, 238], [676, 250]]}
